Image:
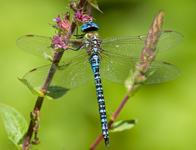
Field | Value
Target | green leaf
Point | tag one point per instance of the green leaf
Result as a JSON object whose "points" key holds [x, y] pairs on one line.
{"points": [[94, 4], [53, 92], [47, 57], [15, 124], [122, 125], [33, 90]]}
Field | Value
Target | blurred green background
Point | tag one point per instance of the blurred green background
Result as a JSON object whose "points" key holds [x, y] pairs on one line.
{"points": [[165, 112]]}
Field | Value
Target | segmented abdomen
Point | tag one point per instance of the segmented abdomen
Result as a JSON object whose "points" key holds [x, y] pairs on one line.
{"points": [[94, 61]]}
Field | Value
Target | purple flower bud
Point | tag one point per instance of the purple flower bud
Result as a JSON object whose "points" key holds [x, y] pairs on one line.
{"points": [[58, 43], [58, 19]]}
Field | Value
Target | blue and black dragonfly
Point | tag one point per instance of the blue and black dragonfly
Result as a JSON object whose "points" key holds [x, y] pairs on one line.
{"points": [[113, 58]]}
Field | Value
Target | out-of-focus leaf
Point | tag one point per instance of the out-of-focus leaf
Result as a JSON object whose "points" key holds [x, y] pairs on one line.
{"points": [[94, 4], [129, 85], [122, 125], [15, 124], [53, 92], [109, 114]]}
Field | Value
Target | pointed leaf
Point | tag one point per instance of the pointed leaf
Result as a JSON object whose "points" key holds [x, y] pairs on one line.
{"points": [[15, 124], [53, 92], [94, 4], [122, 125], [33, 90]]}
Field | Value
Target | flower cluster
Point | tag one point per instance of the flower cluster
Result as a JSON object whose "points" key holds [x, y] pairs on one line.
{"points": [[82, 18], [79, 16], [57, 42], [62, 24]]}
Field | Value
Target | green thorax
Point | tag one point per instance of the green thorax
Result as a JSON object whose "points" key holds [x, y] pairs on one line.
{"points": [[92, 43]]}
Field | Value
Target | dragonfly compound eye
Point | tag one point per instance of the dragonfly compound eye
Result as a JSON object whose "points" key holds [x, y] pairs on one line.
{"points": [[89, 27]]}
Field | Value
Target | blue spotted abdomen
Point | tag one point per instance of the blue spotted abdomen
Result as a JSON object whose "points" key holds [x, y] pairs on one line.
{"points": [[94, 61]]}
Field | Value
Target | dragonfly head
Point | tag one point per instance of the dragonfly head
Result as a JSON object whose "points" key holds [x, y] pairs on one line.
{"points": [[89, 26]]}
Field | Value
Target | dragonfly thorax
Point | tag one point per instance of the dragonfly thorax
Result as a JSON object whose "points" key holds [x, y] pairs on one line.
{"points": [[92, 43]]}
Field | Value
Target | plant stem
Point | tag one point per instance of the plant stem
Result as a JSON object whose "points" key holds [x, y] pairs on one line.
{"points": [[48, 80], [27, 139]]}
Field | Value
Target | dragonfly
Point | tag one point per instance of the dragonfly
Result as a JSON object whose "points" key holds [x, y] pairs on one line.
{"points": [[112, 58]]}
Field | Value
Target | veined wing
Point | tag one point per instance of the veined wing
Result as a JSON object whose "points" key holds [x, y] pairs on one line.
{"points": [[133, 45], [41, 46], [118, 68], [69, 74], [161, 72], [35, 44], [115, 68]]}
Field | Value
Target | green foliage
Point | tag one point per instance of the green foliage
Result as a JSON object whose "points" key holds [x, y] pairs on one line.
{"points": [[122, 125], [53, 92], [15, 124]]}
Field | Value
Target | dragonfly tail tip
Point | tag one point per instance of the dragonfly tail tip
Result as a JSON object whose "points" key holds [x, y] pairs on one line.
{"points": [[107, 142]]}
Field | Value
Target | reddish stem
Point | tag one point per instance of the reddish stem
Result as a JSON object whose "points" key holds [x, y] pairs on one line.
{"points": [[114, 116], [26, 141]]}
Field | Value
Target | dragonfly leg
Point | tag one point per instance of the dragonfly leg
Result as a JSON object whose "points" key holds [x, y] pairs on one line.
{"points": [[78, 36], [76, 48], [94, 60]]}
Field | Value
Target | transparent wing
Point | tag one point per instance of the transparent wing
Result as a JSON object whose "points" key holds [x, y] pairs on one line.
{"points": [[117, 68], [35, 44], [133, 45], [41, 46], [161, 72], [70, 73]]}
